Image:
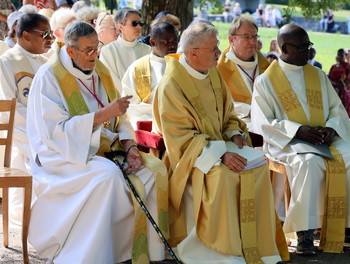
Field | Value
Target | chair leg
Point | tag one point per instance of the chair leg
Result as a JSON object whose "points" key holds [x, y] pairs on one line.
{"points": [[287, 193], [26, 219], [5, 215]]}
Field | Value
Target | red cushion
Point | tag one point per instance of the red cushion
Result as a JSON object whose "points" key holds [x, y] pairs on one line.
{"points": [[151, 140], [144, 125]]}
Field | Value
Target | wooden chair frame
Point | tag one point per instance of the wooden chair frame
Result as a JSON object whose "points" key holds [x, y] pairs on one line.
{"points": [[10, 177]]}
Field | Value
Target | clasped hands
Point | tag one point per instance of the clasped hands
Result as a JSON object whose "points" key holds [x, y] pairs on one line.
{"points": [[316, 135], [232, 160]]}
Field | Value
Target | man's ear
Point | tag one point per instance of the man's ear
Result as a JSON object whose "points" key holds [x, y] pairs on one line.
{"points": [[26, 36], [57, 33], [120, 28], [152, 42], [71, 52], [230, 39], [284, 48]]}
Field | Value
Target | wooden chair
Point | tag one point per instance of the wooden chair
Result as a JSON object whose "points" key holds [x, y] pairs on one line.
{"points": [[276, 167], [10, 177]]}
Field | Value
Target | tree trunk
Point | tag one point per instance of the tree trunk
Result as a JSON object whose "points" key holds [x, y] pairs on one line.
{"points": [[183, 9]]}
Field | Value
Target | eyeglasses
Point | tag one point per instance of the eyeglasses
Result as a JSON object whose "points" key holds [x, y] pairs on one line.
{"points": [[91, 51], [46, 33], [215, 49], [135, 23], [302, 47], [168, 42], [247, 37]]}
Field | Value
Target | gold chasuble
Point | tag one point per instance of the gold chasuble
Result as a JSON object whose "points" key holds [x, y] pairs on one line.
{"points": [[77, 106], [333, 226], [221, 194], [142, 75], [233, 78]]}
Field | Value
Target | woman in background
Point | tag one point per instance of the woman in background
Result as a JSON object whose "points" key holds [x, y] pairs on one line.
{"points": [[339, 75]]}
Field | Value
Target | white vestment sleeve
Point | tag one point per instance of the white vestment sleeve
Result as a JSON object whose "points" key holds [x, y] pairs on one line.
{"points": [[276, 130], [57, 129], [8, 91], [211, 155]]}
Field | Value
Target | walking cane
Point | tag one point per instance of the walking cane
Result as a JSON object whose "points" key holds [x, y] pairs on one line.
{"points": [[113, 156]]}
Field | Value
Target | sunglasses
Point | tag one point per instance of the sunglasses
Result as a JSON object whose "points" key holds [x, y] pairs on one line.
{"points": [[135, 23], [46, 33]]}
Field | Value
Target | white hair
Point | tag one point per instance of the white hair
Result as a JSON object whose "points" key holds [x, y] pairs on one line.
{"points": [[195, 34], [61, 17], [28, 9], [87, 13]]}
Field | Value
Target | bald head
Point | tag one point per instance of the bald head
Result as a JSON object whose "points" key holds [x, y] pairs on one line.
{"points": [[295, 44], [289, 32]]}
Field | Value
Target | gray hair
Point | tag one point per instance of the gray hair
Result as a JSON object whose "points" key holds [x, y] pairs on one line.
{"points": [[87, 13], [237, 22], [61, 17], [122, 15], [76, 30], [196, 34]]}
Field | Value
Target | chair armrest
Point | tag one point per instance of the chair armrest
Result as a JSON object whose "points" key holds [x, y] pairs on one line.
{"points": [[150, 140]]}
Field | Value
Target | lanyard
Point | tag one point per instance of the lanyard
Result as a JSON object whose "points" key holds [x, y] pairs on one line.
{"points": [[93, 92], [254, 72]]}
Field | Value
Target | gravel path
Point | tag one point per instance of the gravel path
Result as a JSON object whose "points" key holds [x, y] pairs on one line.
{"points": [[13, 254]]}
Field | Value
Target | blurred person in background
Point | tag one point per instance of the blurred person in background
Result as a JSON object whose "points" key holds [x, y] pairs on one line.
{"points": [[12, 20], [105, 28], [339, 74], [119, 54], [87, 13], [6, 8], [60, 20]]}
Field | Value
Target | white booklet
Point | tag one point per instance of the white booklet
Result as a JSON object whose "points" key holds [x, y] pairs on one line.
{"points": [[303, 147], [255, 157]]}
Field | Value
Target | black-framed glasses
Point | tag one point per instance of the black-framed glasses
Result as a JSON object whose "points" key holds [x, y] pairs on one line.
{"points": [[135, 23], [46, 33], [213, 50], [91, 51], [248, 37], [302, 47]]}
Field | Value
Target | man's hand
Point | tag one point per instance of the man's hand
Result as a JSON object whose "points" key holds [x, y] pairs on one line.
{"points": [[133, 157], [234, 161], [114, 109], [328, 134], [134, 160], [310, 134], [239, 141]]}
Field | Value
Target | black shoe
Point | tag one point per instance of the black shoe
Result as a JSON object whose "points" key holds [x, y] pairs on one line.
{"points": [[306, 243], [347, 235]]}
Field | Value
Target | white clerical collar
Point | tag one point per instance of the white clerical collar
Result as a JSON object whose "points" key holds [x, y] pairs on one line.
{"points": [[194, 73], [126, 43], [68, 64], [287, 66], [244, 64], [156, 58], [26, 53]]}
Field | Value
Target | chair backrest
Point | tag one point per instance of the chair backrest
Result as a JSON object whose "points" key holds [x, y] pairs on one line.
{"points": [[7, 126]]}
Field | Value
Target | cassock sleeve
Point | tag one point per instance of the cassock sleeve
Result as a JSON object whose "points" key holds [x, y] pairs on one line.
{"points": [[72, 137]]}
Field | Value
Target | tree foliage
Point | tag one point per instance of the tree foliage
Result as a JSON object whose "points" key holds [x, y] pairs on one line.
{"points": [[313, 8]]}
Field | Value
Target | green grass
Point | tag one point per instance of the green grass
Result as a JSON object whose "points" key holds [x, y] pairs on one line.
{"points": [[326, 44]]}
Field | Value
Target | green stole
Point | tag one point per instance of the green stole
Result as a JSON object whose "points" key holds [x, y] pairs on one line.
{"points": [[247, 197], [142, 76], [233, 78], [333, 226], [77, 106]]}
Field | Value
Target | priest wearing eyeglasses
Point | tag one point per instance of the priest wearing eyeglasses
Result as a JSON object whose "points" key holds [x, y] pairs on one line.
{"points": [[17, 68], [241, 63], [120, 54], [294, 101], [84, 212]]}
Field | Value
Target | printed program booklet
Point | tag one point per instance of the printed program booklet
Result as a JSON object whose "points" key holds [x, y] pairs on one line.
{"points": [[255, 157], [303, 147]]}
